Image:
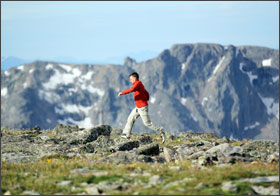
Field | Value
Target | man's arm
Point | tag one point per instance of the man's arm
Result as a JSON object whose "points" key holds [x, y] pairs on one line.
{"points": [[130, 90]]}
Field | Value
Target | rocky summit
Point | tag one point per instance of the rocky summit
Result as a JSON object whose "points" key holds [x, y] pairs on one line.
{"points": [[231, 91], [105, 142], [96, 161]]}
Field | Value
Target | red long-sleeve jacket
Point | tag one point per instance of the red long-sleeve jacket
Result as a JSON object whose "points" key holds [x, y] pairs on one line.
{"points": [[141, 95]]}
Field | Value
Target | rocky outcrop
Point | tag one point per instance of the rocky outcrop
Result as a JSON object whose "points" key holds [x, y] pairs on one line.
{"points": [[66, 141]]}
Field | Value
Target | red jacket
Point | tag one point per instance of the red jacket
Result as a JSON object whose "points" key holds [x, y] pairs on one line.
{"points": [[141, 95]]}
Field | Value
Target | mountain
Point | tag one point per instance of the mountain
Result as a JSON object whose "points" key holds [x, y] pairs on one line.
{"points": [[231, 91], [9, 62]]}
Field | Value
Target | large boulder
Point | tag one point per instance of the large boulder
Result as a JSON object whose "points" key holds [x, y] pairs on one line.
{"points": [[75, 136]]}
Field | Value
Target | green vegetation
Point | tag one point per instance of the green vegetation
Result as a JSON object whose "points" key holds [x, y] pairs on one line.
{"points": [[43, 176]]}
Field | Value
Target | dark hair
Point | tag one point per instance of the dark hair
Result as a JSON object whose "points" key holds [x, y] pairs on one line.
{"points": [[134, 74]]}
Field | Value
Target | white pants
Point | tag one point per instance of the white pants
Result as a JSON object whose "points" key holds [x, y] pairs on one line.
{"points": [[135, 113]]}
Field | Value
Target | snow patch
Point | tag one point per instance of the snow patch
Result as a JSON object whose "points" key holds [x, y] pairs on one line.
{"points": [[250, 74], [216, 69], [6, 73], [153, 100], [25, 85], [60, 78], [271, 106], [20, 68], [183, 66], [274, 79], [74, 108], [252, 126], [4, 91], [194, 118], [31, 71], [48, 96], [266, 62], [86, 123], [91, 89], [49, 66], [183, 100], [204, 100], [87, 76]]}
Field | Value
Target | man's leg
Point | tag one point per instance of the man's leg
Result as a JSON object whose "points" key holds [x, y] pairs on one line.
{"points": [[130, 121], [147, 122], [146, 119]]}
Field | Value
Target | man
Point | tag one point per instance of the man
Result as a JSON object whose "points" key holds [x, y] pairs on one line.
{"points": [[141, 98]]}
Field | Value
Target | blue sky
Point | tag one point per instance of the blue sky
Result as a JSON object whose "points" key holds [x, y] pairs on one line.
{"points": [[92, 31]]}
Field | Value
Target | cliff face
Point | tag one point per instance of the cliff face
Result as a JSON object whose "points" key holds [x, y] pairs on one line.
{"points": [[227, 90]]}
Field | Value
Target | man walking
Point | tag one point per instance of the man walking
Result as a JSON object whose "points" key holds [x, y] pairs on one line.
{"points": [[141, 98]]}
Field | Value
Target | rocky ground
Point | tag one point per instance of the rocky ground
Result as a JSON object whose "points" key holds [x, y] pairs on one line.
{"points": [[103, 145]]}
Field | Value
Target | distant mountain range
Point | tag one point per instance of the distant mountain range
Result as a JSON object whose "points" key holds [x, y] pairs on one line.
{"points": [[227, 90], [10, 62]]}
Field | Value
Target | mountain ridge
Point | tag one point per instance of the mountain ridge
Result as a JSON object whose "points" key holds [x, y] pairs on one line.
{"points": [[230, 91]]}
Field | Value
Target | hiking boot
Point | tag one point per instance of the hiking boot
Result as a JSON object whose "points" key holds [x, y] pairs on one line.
{"points": [[125, 137]]}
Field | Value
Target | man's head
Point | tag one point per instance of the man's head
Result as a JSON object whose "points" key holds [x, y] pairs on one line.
{"points": [[133, 77]]}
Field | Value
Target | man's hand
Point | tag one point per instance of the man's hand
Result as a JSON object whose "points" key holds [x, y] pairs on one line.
{"points": [[119, 94]]}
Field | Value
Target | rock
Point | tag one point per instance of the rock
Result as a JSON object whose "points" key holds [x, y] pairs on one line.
{"points": [[205, 161], [195, 135], [121, 157], [175, 168], [156, 179], [273, 158], [88, 148], [74, 136], [200, 186], [150, 149], [36, 128], [103, 142], [7, 193], [128, 146], [30, 193], [197, 154], [265, 191], [225, 150], [184, 152], [145, 158], [64, 183], [44, 137], [176, 183], [93, 190], [266, 179], [169, 154], [229, 186], [116, 132], [171, 137], [144, 139]]}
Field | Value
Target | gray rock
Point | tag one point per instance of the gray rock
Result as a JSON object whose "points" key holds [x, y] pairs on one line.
{"points": [[197, 155], [229, 186], [150, 149], [116, 132], [265, 190], [144, 139], [93, 190], [155, 180], [169, 154], [266, 179], [144, 158], [200, 186], [64, 183], [30, 193], [225, 149]]}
